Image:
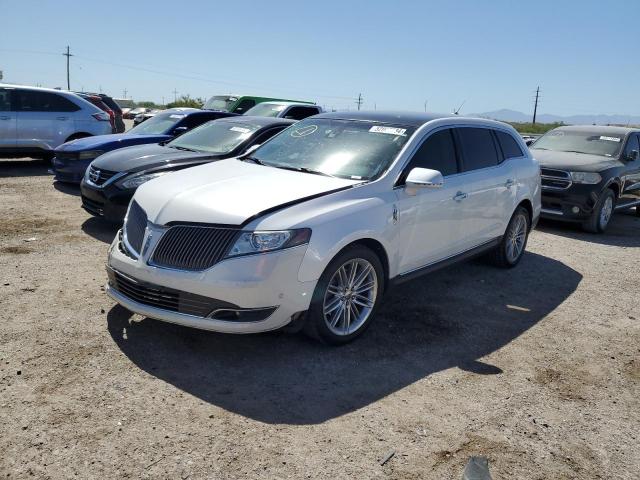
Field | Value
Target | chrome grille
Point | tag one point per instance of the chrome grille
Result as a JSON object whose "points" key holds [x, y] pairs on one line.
{"points": [[99, 177], [187, 247], [135, 225], [555, 179], [164, 297]]}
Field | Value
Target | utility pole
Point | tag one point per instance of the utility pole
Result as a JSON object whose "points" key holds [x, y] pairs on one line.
{"points": [[68, 55], [535, 106], [124, 92], [359, 101], [163, 101], [175, 95], [425, 105]]}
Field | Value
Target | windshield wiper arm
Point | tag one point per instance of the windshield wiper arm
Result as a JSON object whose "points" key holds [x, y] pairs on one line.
{"points": [[252, 159], [182, 148], [306, 170]]}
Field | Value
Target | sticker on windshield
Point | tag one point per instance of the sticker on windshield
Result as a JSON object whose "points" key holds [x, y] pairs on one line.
{"points": [[176, 116], [304, 131], [610, 139], [388, 130], [240, 129]]}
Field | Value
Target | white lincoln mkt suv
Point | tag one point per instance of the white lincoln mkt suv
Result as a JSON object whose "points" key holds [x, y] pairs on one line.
{"points": [[314, 225]]}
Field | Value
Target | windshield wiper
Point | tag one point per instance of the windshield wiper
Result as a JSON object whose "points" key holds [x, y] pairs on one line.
{"points": [[252, 159], [576, 151], [182, 148], [306, 170]]}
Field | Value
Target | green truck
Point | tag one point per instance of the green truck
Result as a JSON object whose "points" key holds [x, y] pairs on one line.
{"points": [[241, 103]]}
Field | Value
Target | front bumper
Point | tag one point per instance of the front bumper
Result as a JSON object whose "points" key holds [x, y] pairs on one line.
{"points": [[252, 283], [574, 204], [109, 202], [71, 171]]}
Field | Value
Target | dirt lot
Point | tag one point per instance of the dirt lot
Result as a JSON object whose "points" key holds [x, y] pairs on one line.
{"points": [[537, 368]]}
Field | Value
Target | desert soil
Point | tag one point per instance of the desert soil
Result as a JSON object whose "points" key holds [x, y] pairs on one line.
{"points": [[536, 368]]}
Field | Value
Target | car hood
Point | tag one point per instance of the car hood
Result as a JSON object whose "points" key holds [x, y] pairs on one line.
{"points": [[229, 192], [580, 162], [143, 157], [110, 142]]}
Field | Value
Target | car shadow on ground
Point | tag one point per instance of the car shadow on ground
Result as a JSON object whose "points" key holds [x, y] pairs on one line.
{"points": [[623, 230], [100, 229], [449, 319], [68, 188], [24, 167]]}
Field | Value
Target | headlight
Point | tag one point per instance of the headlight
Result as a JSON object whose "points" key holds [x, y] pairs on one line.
{"points": [[268, 241], [90, 154], [586, 177], [135, 181]]}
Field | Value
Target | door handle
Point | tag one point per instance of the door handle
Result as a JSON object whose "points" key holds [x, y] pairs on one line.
{"points": [[62, 118], [510, 183], [460, 196], [5, 118]]}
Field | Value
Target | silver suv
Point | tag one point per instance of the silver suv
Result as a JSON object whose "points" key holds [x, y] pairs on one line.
{"points": [[34, 121]]}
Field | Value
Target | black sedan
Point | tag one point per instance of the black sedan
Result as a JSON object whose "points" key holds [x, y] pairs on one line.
{"points": [[589, 172], [112, 179]]}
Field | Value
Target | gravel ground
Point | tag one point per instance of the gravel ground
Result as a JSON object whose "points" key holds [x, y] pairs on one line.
{"points": [[537, 368]]}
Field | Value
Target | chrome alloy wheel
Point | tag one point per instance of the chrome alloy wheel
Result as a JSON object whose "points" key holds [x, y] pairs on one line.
{"points": [[516, 238], [350, 296], [606, 211]]}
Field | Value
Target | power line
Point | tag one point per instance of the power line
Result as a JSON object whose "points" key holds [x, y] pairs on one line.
{"points": [[68, 55]]}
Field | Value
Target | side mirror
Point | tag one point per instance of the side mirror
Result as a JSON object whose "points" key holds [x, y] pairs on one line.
{"points": [[632, 156], [419, 178], [179, 130]]}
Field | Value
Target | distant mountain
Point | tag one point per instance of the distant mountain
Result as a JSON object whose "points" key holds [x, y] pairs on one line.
{"points": [[507, 115]]}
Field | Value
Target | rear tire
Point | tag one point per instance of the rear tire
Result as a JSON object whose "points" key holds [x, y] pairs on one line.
{"points": [[602, 213], [346, 297], [514, 241]]}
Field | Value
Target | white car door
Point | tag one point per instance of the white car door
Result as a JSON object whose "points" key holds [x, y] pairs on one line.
{"points": [[430, 220], [41, 123], [491, 195], [7, 120]]}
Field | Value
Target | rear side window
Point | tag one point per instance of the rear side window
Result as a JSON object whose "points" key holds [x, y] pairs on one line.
{"points": [[34, 101], [478, 148], [437, 153], [298, 113], [5, 100], [510, 147]]}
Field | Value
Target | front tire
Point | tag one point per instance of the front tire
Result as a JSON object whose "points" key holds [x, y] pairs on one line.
{"points": [[602, 213], [514, 241], [346, 297]]}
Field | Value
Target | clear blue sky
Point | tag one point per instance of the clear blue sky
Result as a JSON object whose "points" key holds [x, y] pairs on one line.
{"points": [[584, 54]]}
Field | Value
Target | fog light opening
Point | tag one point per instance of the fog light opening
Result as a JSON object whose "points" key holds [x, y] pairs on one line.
{"points": [[575, 209]]}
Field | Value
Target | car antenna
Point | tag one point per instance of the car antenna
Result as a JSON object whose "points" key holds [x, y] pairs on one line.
{"points": [[457, 111]]}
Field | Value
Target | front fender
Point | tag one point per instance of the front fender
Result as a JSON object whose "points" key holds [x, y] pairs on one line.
{"points": [[373, 220]]}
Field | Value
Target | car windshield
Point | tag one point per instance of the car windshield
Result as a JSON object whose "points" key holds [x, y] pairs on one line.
{"points": [[591, 142], [265, 110], [158, 124], [220, 102], [217, 137], [357, 150]]}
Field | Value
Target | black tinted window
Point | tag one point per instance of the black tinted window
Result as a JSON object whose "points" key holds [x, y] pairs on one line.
{"points": [[5, 100], [632, 144], [510, 147], [34, 101], [244, 105], [436, 153], [478, 148], [298, 113]]}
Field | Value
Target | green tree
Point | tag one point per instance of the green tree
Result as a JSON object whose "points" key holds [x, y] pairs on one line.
{"points": [[187, 101]]}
